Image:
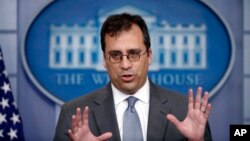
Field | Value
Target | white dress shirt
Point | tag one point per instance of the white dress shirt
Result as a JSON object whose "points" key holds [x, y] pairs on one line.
{"points": [[141, 106]]}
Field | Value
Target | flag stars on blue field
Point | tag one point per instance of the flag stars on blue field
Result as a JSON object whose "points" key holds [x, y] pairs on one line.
{"points": [[6, 88], [1, 133], [2, 118], [15, 118], [12, 133], [10, 120], [4, 103], [5, 73]]}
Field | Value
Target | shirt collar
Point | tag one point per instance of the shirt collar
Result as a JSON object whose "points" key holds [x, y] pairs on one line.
{"points": [[142, 94]]}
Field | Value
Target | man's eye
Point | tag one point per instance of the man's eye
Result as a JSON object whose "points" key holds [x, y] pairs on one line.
{"points": [[134, 53], [115, 55]]}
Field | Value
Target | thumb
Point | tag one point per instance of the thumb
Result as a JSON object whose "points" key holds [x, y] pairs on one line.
{"points": [[173, 119], [105, 136]]}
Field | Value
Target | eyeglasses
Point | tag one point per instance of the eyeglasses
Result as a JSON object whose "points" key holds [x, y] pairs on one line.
{"points": [[132, 56]]}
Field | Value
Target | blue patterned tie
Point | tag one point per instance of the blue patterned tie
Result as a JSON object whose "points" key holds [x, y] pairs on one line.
{"points": [[132, 130]]}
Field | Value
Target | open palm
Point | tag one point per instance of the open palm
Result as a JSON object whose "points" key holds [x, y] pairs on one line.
{"points": [[80, 128], [193, 126]]}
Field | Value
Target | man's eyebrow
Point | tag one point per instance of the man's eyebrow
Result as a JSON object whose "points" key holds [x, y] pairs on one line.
{"points": [[114, 51], [134, 50], [128, 51]]}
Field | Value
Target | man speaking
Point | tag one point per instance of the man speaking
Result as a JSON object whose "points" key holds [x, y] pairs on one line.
{"points": [[131, 107]]}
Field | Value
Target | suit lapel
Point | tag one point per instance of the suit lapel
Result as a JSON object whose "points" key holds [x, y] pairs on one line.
{"points": [[158, 110], [105, 113]]}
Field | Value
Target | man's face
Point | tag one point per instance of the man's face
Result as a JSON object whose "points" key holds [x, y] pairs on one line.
{"points": [[127, 76]]}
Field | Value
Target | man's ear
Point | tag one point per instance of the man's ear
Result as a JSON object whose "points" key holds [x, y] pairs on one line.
{"points": [[149, 56], [104, 61]]}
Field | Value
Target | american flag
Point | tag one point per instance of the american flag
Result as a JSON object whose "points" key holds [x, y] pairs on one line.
{"points": [[10, 121]]}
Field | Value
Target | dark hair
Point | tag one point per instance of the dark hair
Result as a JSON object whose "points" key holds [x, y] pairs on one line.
{"points": [[117, 23]]}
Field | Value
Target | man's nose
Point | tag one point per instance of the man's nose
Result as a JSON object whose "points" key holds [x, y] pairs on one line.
{"points": [[125, 63]]}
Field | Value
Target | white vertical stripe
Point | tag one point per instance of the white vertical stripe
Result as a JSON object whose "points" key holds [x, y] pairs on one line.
{"points": [[57, 112], [246, 14], [246, 54], [8, 14], [246, 98], [246, 58]]}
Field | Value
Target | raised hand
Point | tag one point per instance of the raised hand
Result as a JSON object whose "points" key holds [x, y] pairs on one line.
{"points": [[193, 126], [80, 128]]}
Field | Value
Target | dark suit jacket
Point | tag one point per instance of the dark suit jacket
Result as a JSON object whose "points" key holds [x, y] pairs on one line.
{"points": [[102, 116]]}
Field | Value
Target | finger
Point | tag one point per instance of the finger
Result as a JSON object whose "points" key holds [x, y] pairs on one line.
{"points": [[78, 117], [208, 109], [105, 136], [204, 102], [190, 99], [198, 99], [173, 119], [85, 116], [74, 124], [71, 135]]}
